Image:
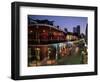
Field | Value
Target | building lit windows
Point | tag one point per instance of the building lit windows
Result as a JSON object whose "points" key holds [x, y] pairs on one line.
{"points": [[37, 53]]}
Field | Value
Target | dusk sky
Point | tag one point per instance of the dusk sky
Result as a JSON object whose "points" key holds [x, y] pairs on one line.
{"points": [[64, 21]]}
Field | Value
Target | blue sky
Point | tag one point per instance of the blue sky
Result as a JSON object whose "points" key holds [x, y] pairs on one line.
{"points": [[65, 21]]}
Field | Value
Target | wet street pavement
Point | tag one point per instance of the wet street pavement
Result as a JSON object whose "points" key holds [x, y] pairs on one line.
{"points": [[71, 59], [75, 57]]}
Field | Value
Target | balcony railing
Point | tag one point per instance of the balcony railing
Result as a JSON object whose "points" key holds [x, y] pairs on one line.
{"points": [[44, 41]]}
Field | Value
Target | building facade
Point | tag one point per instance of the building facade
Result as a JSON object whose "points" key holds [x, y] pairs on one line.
{"points": [[76, 29], [45, 42]]}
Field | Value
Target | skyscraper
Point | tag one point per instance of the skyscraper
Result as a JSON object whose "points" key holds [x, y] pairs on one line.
{"points": [[86, 33], [76, 29]]}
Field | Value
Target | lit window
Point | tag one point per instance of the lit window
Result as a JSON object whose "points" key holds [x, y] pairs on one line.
{"points": [[43, 30], [31, 31]]}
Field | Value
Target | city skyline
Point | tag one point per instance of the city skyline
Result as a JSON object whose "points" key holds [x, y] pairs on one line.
{"points": [[68, 22]]}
